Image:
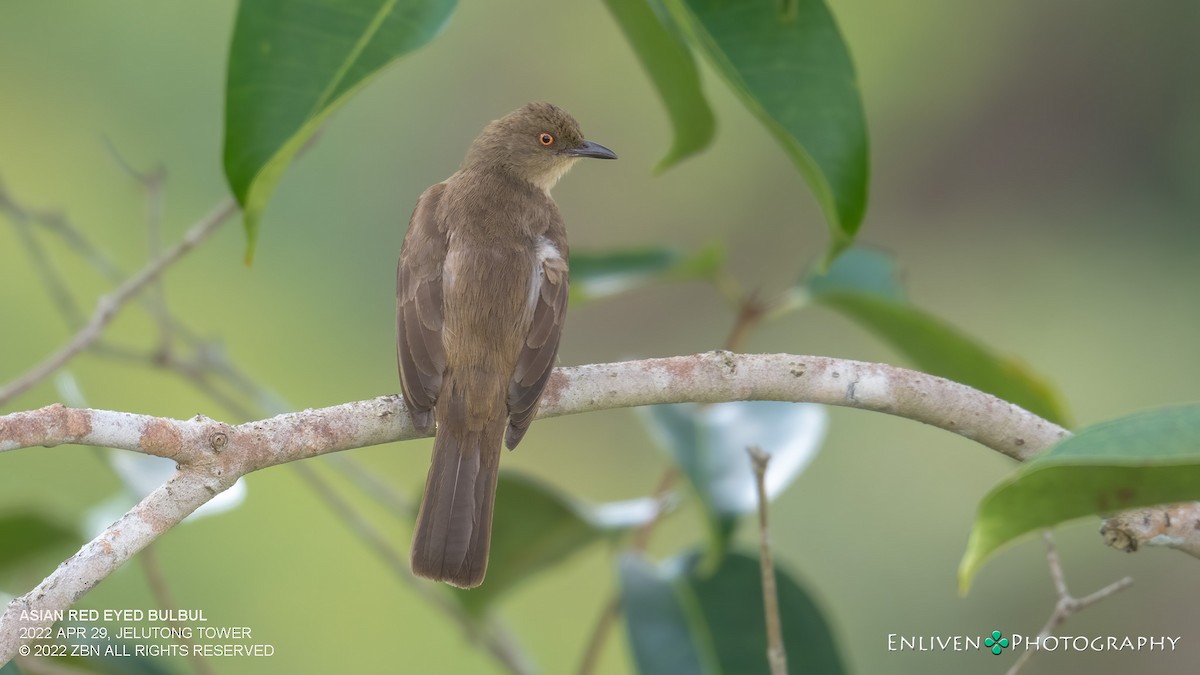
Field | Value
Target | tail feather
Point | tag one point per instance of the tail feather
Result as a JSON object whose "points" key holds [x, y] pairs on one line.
{"points": [[454, 526]]}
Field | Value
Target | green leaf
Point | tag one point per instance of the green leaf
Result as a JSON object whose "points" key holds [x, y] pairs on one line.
{"points": [[535, 527], [863, 285], [669, 63], [795, 75], [1143, 459], [860, 271], [709, 444], [27, 536], [682, 621], [665, 634], [600, 275], [291, 65]]}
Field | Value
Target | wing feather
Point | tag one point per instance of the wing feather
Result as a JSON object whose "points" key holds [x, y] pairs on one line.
{"points": [[538, 354], [419, 316]]}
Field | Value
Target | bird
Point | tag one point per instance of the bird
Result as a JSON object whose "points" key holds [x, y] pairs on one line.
{"points": [[481, 296]]}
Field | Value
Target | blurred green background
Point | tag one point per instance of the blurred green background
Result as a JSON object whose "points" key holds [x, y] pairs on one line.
{"points": [[1036, 168]]}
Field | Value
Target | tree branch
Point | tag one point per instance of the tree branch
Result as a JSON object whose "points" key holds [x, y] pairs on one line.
{"points": [[1067, 605], [108, 306], [776, 652], [213, 455], [1175, 526]]}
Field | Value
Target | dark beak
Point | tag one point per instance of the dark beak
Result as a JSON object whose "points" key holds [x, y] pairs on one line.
{"points": [[590, 149]]}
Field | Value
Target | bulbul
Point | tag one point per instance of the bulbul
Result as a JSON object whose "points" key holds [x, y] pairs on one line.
{"points": [[481, 294]]}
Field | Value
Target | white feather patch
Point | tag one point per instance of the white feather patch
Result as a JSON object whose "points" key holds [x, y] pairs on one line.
{"points": [[546, 251]]}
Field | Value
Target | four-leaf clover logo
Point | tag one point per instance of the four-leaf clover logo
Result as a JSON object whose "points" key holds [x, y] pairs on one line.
{"points": [[997, 642]]}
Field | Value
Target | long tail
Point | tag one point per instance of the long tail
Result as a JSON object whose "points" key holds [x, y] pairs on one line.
{"points": [[454, 526]]}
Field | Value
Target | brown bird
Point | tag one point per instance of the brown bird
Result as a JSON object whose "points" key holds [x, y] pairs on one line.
{"points": [[481, 294]]}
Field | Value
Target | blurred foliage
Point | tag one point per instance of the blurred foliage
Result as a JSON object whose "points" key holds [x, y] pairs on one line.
{"points": [[599, 275], [534, 528], [682, 619], [1147, 458], [28, 536], [709, 442], [864, 285]]}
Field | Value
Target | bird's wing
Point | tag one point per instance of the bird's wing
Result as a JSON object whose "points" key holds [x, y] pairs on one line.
{"points": [[541, 342], [419, 350]]}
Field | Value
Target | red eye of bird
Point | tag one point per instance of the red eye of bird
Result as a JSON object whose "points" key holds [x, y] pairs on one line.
{"points": [[546, 139]]}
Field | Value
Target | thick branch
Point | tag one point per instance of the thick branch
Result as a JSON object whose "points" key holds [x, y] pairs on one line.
{"points": [[711, 377], [213, 455]]}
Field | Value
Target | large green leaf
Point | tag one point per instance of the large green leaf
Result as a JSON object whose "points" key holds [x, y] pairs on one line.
{"points": [[535, 527], [600, 275], [25, 536], [709, 443], [1143, 459], [863, 285], [795, 74], [669, 63], [291, 64], [665, 634], [685, 622]]}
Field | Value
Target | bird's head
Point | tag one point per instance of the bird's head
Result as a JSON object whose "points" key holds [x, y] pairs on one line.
{"points": [[537, 142]]}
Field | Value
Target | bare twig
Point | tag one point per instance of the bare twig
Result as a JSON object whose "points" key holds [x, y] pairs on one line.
{"points": [[1174, 526], [1066, 606], [612, 609], [152, 183], [599, 635], [162, 596], [51, 279], [108, 306], [776, 654], [396, 503], [499, 644], [751, 311]]}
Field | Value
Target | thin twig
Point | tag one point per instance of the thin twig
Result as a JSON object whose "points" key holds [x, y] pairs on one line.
{"points": [[108, 306], [776, 654], [497, 642], [162, 596], [1066, 605], [208, 358], [152, 183], [612, 609], [750, 312], [1171, 525], [396, 503], [51, 278]]}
